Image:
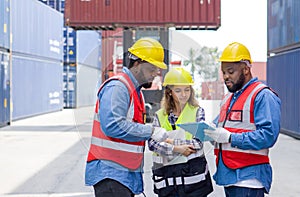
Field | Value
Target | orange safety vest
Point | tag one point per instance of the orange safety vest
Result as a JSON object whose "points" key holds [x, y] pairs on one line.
{"points": [[125, 153], [240, 119]]}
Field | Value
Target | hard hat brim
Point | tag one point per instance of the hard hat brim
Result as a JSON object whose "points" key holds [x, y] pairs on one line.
{"points": [[161, 65]]}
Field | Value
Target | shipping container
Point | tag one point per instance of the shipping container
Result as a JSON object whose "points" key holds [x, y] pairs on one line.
{"points": [[58, 5], [80, 85], [283, 76], [283, 25], [88, 47], [4, 23], [4, 88], [87, 85], [37, 29], [212, 90], [70, 51], [110, 40], [83, 68], [259, 70], [69, 85], [110, 14], [36, 86]]}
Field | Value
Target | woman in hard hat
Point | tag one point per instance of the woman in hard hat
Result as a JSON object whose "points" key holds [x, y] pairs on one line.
{"points": [[179, 165]]}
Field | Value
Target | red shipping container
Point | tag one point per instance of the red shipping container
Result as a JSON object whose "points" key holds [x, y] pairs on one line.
{"points": [[111, 14], [109, 39], [212, 90]]}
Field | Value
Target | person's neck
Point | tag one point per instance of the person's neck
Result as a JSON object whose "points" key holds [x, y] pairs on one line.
{"points": [[179, 109]]}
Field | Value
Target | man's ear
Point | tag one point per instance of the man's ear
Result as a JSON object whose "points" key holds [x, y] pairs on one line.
{"points": [[136, 65], [246, 70]]}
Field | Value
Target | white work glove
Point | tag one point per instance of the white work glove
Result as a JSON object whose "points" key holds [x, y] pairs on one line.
{"points": [[159, 134], [219, 135]]}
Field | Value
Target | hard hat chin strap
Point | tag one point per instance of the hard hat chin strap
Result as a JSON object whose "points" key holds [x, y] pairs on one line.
{"points": [[247, 63], [133, 57]]}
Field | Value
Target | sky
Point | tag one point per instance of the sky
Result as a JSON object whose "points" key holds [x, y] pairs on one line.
{"points": [[243, 21]]}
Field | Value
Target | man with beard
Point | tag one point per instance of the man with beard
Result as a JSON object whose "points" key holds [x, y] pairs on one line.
{"points": [[247, 126], [115, 159]]}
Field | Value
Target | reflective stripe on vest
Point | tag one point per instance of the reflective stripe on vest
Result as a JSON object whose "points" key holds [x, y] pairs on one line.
{"points": [[240, 119], [188, 114], [178, 180], [125, 153]]}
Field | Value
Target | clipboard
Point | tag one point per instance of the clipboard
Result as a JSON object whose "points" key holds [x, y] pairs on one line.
{"points": [[197, 130]]}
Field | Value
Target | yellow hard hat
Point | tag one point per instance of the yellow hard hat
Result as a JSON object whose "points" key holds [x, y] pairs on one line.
{"points": [[149, 50], [235, 52], [178, 76]]}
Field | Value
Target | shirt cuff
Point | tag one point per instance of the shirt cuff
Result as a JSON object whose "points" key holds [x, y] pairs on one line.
{"points": [[235, 139]]}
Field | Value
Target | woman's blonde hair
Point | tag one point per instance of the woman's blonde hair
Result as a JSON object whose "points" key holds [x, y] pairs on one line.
{"points": [[168, 102]]}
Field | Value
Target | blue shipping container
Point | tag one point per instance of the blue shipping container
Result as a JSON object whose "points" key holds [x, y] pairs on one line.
{"points": [[36, 86], [89, 48], [283, 76], [4, 89], [4, 23], [283, 25], [69, 85], [69, 45], [59, 5], [37, 29]]}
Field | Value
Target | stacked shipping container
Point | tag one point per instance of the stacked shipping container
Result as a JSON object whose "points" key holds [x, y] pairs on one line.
{"points": [[82, 67], [4, 62], [283, 63], [110, 14], [55, 4], [36, 58], [82, 52], [4, 23], [4, 88], [88, 66]]}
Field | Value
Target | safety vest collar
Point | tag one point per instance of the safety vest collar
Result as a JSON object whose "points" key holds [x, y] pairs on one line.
{"points": [[188, 114]]}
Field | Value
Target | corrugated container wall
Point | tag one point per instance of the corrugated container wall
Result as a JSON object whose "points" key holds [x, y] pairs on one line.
{"points": [[37, 86], [37, 29], [88, 67], [110, 14], [283, 60], [36, 59], [4, 89], [4, 23], [283, 76], [283, 25], [81, 76]]}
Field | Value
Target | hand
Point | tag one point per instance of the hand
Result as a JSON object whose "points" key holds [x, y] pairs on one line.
{"points": [[159, 134], [185, 150], [169, 141], [219, 135]]}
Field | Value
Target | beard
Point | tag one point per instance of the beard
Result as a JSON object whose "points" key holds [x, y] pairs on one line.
{"points": [[238, 85], [147, 85]]}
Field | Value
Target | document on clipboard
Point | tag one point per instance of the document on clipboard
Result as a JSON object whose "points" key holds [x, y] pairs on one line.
{"points": [[176, 134], [197, 130]]}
